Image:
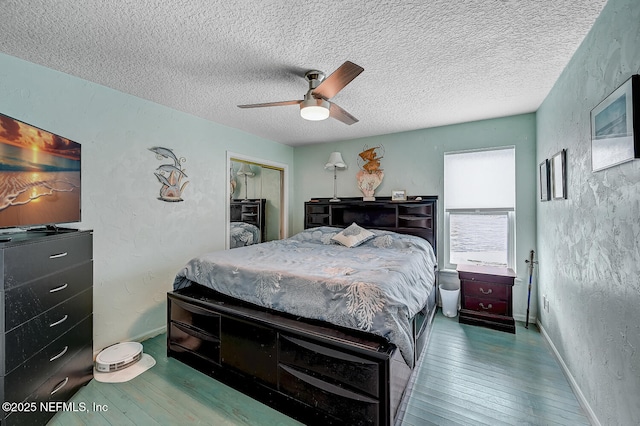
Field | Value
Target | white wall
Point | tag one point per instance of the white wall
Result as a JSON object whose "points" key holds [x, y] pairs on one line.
{"points": [[589, 244], [140, 242]]}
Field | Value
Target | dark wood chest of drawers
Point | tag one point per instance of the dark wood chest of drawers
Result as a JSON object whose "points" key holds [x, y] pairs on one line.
{"points": [[46, 328], [486, 297]]}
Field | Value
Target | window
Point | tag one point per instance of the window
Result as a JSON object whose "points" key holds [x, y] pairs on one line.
{"points": [[479, 197]]}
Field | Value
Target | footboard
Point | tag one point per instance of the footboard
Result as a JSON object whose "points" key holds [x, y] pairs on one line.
{"points": [[308, 370]]}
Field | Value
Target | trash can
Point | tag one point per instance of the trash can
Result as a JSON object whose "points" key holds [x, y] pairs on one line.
{"points": [[449, 295]]}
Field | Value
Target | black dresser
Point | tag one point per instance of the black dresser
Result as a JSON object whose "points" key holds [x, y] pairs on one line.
{"points": [[46, 330]]}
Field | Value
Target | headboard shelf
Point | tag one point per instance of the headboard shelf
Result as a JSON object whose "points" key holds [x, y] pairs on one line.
{"points": [[415, 217]]}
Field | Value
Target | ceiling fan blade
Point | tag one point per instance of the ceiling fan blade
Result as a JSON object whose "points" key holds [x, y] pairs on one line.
{"points": [[340, 114], [270, 104], [336, 81]]}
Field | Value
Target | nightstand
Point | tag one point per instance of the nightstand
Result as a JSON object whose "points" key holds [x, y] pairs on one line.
{"points": [[485, 294]]}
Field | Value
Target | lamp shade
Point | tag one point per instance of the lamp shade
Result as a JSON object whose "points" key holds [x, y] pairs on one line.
{"points": [[245, 170], [335, 160], [314, 109]]}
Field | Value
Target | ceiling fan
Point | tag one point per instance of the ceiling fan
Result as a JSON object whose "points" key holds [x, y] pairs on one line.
{"points": [[316, 105]]}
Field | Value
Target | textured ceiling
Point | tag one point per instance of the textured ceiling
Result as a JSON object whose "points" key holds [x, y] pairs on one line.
{"points": [[427, 63]]}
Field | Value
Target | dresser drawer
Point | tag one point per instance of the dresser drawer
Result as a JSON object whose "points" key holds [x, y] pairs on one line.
{"points": [[60, 386], [347, 371], [346, 406], [28, 376], [487, 290], [26, 262], [498, 307], [28, 301], [24, 341]]}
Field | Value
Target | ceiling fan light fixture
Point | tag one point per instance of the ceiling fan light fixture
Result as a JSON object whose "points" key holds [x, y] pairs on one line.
{"points": [[314, 109]]}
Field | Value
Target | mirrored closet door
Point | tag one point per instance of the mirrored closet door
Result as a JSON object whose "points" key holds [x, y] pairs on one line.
{"points": [[256, 201]]}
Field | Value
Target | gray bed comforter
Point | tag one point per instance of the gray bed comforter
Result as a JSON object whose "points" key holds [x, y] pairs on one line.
{"points": [[375, 287], [243, 234]]}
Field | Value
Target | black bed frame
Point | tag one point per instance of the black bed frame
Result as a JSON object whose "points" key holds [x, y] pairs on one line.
{"points": [[312, 371]]}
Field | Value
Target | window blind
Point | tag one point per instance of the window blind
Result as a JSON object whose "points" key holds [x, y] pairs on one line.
{"points": [[480, 179]]}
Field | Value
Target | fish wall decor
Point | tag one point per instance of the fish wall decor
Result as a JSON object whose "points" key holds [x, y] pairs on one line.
{"points": [[170, 175]]}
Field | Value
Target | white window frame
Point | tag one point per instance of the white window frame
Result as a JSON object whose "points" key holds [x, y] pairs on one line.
{"points": [[509, 211], [511, 232]]}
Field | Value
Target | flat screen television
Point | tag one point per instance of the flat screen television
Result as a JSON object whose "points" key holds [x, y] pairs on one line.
{"points": [[39, 177]]}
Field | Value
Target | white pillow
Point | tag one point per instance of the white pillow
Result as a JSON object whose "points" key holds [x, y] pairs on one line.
{"points": [[353, 236]]}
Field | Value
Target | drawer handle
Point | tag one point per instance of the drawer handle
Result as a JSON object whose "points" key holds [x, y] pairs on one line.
{"points": [[62, 287], [486, 307], [60, 321], [61, 385], [486, 292], [64, 351], [56, 256]]}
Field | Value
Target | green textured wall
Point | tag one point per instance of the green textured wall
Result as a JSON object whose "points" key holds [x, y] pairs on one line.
{"points": [[589, 244], [414, 161], [140, 242]]}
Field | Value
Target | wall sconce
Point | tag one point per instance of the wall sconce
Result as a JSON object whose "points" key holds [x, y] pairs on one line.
{"points": [[245, 170], [335, 162]]}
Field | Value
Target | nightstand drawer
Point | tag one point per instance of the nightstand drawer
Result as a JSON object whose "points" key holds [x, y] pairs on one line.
{"points": [[498, 307], [27, 262], [487, 277], [481, 289]]}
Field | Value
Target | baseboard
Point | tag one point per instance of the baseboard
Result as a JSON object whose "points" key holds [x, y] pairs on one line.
{"points": [[574, 385], [523, 319], [139, 338], [150, 334]]}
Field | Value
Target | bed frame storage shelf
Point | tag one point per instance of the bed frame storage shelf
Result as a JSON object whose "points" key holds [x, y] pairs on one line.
{"points": [[46, 290], [416, 217]]}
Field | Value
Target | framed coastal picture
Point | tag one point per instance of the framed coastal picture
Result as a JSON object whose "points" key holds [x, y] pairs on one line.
{"points": [[544, 181], [615, 132], [559, 175]]}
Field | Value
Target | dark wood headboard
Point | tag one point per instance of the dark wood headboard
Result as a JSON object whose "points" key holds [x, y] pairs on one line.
{"points": [[415, 217]]}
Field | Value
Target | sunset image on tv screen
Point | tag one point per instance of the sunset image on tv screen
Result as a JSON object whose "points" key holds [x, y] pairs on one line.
{"points": [[39, 176]]}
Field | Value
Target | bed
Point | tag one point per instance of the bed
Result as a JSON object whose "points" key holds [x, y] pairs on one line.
{"points": [[325, 333], [243, 234]]}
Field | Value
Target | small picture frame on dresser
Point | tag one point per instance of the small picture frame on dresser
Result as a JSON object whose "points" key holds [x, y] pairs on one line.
{"points": [[399, 195]]}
